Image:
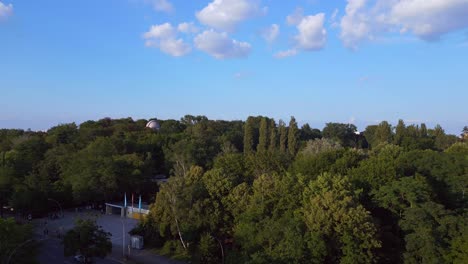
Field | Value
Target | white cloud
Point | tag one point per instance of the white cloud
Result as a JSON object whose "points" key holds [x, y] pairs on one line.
{"points": [[430, 19], [312, 33], [164, 37], [160, 31], [162, 5], [285, 53], [296, 17], [187, 28], [355, 25], [426, 19], [271, 33], [220, 46], [227, 14], [242, 75], [5, 10], [333, 20]]}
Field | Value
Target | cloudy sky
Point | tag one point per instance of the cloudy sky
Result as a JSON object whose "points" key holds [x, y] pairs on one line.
{"points": [[357, 61]]}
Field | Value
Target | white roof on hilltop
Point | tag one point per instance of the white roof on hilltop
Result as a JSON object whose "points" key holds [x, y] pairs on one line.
{"points": [[153, 124]]}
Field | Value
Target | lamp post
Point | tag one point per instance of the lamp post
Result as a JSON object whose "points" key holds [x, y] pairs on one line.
{"points": [[14, 250], [123, 238], [60, 207]]}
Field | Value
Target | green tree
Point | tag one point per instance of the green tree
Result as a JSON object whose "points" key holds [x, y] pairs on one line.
{"points": [[427, 229], [92, 172], [442, 140], [283, 131], [369, 134], [423, 130], [458, 253], [464, 133], [273, 145], [407, 192], [293, 137], [87, 239], [400, 132], [345, 134], [307, 133], [16, 243], [379, 169], [318, 146], [179, 206], [331, 211], [263, 138], [268, 230], [383, 133], [249, 135]]}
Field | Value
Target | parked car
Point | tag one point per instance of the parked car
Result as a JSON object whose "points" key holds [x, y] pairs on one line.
{"points": [[80, 258]]}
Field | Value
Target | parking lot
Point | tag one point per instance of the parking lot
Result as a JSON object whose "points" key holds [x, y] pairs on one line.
{"points": [[51, 231]]}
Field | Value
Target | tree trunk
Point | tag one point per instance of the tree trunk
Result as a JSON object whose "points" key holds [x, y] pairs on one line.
{"points": [[180, 234], [222, 249]]}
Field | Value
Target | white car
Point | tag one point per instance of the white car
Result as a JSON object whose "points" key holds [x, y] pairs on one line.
{"points": [[80, 258]]}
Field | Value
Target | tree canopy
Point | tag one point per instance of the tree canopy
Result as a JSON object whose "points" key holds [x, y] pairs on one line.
{"points": [[252, 191]]}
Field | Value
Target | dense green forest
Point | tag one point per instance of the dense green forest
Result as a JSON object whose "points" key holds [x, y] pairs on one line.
{"points": [[257, 191]]}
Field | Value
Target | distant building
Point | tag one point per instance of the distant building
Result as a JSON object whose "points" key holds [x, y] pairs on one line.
{"points": [[154, 125], [129, 211], [160, 178]]}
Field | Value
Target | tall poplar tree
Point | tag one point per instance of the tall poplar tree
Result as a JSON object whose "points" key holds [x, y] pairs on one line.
{"points": [[263, 136], [273, 136], [423, 130], [283, 136], [248, 135], [293, 137], [383, 133], [400, 132]]}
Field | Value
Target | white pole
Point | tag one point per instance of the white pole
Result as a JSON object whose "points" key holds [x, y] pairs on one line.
{"points": [[123, 238]]}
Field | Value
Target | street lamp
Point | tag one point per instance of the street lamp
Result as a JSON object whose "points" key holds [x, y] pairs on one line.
{"points": [[60, 207], [14, 250], [123, 238]]}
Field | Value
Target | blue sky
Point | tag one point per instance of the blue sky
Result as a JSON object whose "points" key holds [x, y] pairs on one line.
{"points": [[322, 61]]}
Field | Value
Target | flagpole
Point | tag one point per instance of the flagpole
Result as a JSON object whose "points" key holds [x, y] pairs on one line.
{"points": [[139, 206]]}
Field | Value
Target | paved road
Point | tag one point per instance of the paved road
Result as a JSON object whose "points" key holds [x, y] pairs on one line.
{"points": [[51, 250]]}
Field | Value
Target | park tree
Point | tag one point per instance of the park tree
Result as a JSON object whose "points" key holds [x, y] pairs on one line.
{"points": [[369, 134], [263, 136], [283, 131], [7, 181], [91, 172], [345, 134], [87, 239], [427, 230], [16, 242], [400, 132], [317, 146], [458, 252], [307, 133], [441, 140], [273, 144], [332, 212], [464, 134], [407, 192], [268, 230], [179, 206], [379, 169], [62, 134], [423, 130], [293, 137], [249, 135], [383, 133], [312, 165]]}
